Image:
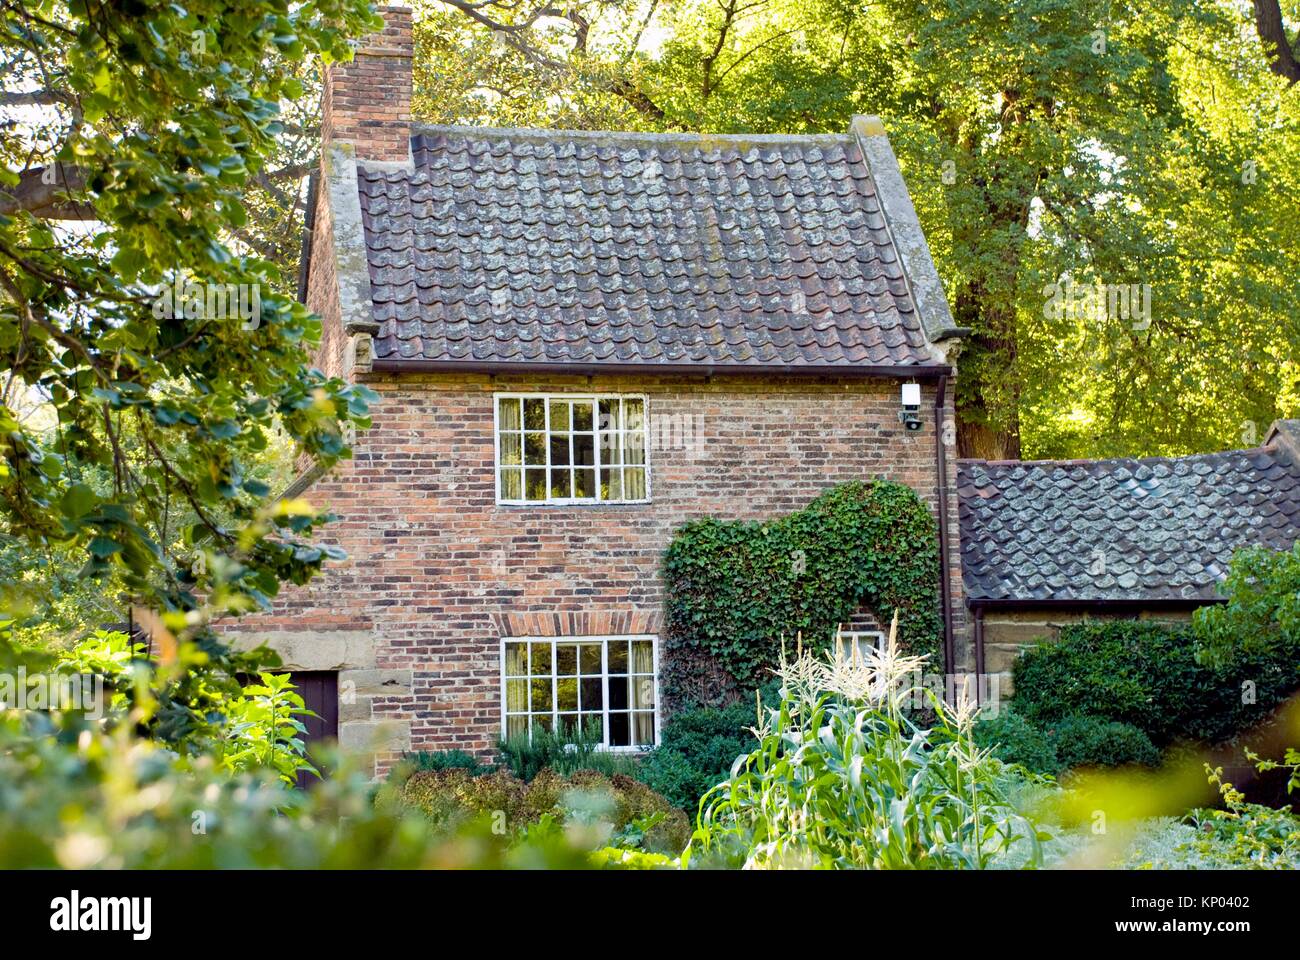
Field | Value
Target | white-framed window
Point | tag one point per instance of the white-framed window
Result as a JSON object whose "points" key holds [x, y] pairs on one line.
{"points": [[863, 640], [571, 448], [568, 683]]}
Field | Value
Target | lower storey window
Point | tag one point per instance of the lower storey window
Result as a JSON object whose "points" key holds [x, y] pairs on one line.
{"points": [[859, 643], [564, 684]]}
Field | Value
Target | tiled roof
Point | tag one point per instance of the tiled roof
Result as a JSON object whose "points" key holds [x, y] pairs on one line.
{"points": [[1147, 530], [549, 246]]}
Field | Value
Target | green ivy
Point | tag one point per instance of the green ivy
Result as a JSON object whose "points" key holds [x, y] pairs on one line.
{"points": [[735, 589]]}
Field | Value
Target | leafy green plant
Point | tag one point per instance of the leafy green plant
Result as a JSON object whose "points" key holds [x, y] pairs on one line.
{"points": [[1147, 675], [263, 730], [565, 751], [697, 747], [842, 776], [445, 760], [1092, 742], [1260, 622], [1013, 739], [734, 589], [451, 798]]}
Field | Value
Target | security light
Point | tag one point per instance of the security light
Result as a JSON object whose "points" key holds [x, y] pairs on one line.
{"points": [[910, 415]]}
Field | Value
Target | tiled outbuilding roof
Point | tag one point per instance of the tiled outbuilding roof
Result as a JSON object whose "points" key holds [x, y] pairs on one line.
{"points": [[581, 248], [1155, 529]]}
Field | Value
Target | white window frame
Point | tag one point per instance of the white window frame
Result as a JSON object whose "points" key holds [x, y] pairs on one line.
{"points": [[598, 466], [844, 638], [604, 686]]}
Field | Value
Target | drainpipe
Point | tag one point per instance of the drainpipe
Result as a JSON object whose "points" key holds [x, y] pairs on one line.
{"points": [[979, 653], [941, 466]]}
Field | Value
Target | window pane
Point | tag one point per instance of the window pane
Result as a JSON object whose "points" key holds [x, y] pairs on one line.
{"points": [[619, 735], [569, 725], [584, 484], [516, 726], [611, 452], [512, 485], [643, 729], [582, 415], [594, 723], [584, 449], [566, 693], [516, 696], [566, 659], [542, 721], [535, 414], [611, 484], [634, 483], [591, 660], [561, 488], [559, 449], [508, 413], [618, 656], [618, 693], [541, 658], [541, 687], [516, 659], [512, 448], [643, 656], [609, 418], [643, 693], [559, 415], [634, 415], [535, 484], [634, 448], [535, 449], [593, 693]]}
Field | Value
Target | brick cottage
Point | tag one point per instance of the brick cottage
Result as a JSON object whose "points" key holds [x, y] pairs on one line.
{"points": [[580, 341]]}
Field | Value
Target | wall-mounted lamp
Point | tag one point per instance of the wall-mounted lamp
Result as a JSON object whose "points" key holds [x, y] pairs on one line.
{"points": [[910, 415]]}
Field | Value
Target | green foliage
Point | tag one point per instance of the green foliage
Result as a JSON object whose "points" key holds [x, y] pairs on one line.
{"points": [[1092, 742], [262, 729], [697, 747], [735, 589], [1260, 623], [452, 798], [1015, 740], [565, 752], [445, 760], [135, 421], [842, 777], [1147, 675]]}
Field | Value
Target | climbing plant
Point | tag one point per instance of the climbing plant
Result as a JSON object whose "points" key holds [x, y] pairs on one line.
{"points": [[735, 589]]}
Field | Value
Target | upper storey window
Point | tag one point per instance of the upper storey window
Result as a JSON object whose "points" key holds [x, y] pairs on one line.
{"points": [[571, 448]]}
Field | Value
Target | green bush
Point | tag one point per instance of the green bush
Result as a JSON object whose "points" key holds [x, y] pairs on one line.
{"points": [[1013, 739], [1260, 623], [1092, 742], [697, 747], [1146, 675], [445, 760], [452, 798], [734, 589], [565, 752]]}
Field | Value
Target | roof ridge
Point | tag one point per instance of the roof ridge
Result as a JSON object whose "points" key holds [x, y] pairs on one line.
{"points": [[1269, 448], [631, 136]]}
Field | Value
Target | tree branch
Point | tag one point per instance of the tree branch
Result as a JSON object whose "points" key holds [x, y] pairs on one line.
{"points": [[1277, 46]]}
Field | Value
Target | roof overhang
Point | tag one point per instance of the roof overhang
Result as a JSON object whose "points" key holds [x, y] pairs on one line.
{"points": [[1125, 604], [505, 368]]}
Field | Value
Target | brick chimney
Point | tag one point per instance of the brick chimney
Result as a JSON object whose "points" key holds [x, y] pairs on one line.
{"points": [[367, 101]]}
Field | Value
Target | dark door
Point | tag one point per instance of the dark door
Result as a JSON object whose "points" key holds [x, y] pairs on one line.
{"points": [[319, 690]]}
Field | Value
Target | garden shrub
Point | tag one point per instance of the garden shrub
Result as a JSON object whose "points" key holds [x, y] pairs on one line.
{"points": [[452, 797], [1260, 622], [1147, 675], [735, 588], [1091, 742], [1013, 739], [568, 751], [697, 747]]}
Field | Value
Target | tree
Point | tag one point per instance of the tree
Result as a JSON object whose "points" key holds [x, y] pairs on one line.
{"points": [[163, 350]]}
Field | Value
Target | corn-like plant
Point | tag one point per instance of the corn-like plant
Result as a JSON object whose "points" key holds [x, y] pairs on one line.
{"points": [[845, 776]]}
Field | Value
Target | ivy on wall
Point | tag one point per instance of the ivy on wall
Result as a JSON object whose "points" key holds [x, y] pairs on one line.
{"points": [[736, 588]]}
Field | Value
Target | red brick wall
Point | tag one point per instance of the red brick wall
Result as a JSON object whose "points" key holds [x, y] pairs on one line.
{"points": [[439, 572], [368, 101]]}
